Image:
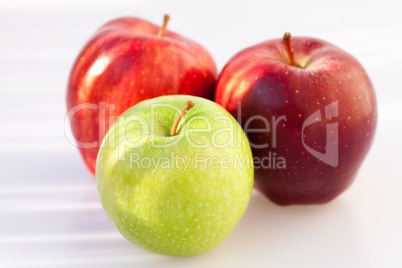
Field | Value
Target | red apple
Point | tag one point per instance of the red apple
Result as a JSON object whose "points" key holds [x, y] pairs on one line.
{"points": [[129, 60], [309, 111]]}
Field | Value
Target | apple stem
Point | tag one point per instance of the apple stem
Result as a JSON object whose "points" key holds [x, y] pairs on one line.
{"points": [[288, 43], [162, 31], [185, 109]]}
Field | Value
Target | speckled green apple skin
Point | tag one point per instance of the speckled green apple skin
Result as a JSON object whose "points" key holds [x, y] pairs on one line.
{"points": [[174, 210]]}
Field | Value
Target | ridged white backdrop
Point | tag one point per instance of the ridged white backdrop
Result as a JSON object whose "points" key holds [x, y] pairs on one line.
{"points": [[50, 213]]}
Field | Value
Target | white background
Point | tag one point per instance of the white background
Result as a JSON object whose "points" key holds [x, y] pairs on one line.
{"points": [[50, 214]]}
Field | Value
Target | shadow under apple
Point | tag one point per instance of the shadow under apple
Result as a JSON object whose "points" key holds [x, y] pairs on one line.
{"points": [[277, 235]]}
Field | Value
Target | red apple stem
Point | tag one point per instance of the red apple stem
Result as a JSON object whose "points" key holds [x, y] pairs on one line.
{"points": [[288, 44], [185, 109], [162, 31]]}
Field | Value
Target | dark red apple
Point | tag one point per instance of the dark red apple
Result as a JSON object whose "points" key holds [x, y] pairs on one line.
{"points": [[309, 111], [129, 60]]}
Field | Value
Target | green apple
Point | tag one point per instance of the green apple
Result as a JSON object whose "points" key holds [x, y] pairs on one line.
{"points": [[175, 183]]}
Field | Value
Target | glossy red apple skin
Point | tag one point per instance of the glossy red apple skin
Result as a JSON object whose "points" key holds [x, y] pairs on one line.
{"points": [[261, 79], [125, 62]]}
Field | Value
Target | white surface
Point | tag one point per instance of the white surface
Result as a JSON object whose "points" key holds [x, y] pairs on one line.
{"points": [[50, 214]]}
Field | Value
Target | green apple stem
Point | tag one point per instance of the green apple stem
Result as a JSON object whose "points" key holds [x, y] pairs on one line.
{"points": [[162, 31], [185, 109], [288, 43]]}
